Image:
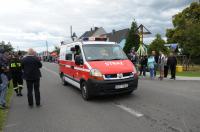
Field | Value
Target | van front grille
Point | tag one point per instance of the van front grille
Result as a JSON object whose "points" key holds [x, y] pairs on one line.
{"points": [[111, 76], [118, 76]]}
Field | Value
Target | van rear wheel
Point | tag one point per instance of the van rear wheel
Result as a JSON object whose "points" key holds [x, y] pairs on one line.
{"points": [[84, 91]]}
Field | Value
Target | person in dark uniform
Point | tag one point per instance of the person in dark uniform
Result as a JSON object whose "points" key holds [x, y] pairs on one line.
{"points": [[172, 62], [16, 74], [31, 72]]}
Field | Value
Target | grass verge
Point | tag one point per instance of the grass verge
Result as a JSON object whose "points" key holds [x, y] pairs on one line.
{"points": [[189, 73], [3, 113]]}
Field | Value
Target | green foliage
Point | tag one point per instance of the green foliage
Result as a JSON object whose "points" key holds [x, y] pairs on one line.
{"points": [[4, 113], [132, 39], [189, 73], [169, 35], [7, 47], [186, 30], [158, 45], [57, 50]]}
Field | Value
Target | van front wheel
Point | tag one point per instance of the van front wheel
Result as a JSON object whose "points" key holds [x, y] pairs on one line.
{"points": [[84, 91], [63, 80]]}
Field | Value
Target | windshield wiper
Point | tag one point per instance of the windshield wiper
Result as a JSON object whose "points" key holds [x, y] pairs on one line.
{"points": [[117, 59]]}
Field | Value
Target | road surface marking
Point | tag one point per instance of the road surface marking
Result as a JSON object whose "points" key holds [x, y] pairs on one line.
{"points": [[55, 73], [129, 110], [10, 125]]}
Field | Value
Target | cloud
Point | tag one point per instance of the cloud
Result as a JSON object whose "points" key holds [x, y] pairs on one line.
{"points": [[29, 23]]}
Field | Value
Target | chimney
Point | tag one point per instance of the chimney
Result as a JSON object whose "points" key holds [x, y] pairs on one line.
{"points": [[113, 31]]}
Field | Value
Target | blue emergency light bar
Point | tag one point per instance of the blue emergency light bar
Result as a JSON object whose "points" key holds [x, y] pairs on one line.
{"points": [[95, 39]]}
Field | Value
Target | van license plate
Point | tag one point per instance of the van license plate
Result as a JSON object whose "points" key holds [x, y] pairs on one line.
{"points": [[121, 86]]}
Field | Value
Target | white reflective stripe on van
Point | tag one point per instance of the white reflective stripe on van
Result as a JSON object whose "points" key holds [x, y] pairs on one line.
{"points": [[82, 69], [76, 84], [68, 66], [65, 65], [78, 68]]}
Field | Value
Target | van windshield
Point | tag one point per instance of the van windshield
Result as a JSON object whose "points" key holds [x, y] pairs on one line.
{"points": [[101, 52]]}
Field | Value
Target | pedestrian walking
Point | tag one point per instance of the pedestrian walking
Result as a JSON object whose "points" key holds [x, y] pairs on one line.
{"points": [[16, 74], [4, 68], [172, 62], [161, 63], [31, 73], [151, 64], [166, 67], [143, 66]]}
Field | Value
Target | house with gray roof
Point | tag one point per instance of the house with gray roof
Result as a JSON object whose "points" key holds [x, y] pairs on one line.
{"points": [[96, 32], [118, 36], [115, 36]]}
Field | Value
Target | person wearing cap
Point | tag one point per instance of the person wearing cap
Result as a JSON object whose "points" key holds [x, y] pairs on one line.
{"points": [[4, 68], [31, 73], [16, 74]]}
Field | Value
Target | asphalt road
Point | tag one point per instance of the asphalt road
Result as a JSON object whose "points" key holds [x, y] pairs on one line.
{"points": [[157, 106]]}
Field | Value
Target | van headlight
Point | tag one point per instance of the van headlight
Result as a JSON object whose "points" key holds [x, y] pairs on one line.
{"points": [[96, 74]]}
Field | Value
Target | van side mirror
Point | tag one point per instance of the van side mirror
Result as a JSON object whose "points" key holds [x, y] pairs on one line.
{"points": [[73, 49], [78, 60]]}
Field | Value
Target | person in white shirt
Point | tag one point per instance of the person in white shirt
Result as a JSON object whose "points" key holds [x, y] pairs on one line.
{"points": [[161, 64]]}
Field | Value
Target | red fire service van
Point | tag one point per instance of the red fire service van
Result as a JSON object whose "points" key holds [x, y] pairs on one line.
{"points": [[97, 67]]}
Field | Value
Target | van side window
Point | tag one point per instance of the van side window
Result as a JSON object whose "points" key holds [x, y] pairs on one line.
{"points": [[68, 55]]}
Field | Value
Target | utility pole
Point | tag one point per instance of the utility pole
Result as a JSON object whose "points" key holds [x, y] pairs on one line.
{"points": [[47, 50], [73, 35]]}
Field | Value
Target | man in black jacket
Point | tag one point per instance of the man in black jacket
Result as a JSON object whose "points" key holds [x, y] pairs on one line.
{"points": [[31, 67], [172, 62]]}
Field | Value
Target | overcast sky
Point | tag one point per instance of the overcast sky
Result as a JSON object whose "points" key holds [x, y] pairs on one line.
{"points": [[29, 23]]}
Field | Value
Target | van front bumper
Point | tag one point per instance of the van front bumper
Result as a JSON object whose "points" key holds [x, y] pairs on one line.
{"points": [[108, 87]]}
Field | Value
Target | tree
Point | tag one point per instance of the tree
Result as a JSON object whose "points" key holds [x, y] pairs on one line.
{"points": [[186, 31], [57, 50], [7, 47], [157, 45], [133, 39]]}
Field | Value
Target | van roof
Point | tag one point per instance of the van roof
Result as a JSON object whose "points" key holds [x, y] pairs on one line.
{"points": [[98, 42], [88, 42]]}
